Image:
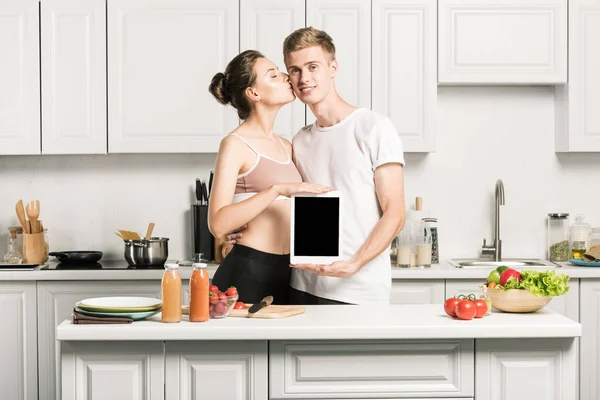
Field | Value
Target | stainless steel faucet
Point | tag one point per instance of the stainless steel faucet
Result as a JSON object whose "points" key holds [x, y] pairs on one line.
{"points": [[495, 250]]}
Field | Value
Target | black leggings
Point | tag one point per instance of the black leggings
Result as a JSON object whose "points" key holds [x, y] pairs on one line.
{"points": [[255, 274]]}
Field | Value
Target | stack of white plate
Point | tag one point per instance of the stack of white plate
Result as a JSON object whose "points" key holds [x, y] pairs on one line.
{"points": [[136, 308]]}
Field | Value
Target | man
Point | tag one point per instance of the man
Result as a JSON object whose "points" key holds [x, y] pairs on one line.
{"points": [[357, 152]]}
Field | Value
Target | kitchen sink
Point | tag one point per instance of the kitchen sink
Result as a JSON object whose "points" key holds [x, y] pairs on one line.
{"points": [[509, 262]]}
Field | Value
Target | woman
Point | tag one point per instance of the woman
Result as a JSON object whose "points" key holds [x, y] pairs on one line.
{"points": [[254, 176]]}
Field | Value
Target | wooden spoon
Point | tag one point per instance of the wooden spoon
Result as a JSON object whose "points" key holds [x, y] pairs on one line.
{"points": [[33, 212], [149, 231], [21, 216]]}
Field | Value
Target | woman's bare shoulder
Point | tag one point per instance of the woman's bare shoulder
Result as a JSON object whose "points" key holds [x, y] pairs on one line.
{"points": [[286, 142]]}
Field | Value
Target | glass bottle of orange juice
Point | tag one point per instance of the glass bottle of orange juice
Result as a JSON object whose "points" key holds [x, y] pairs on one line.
{"points": [[171, 294], [199, 284]]}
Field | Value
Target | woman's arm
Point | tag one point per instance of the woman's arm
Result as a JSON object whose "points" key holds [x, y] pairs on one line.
{"points": [[224, 217]]}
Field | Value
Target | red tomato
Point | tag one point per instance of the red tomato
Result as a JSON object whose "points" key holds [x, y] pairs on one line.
{"points": [[482, 308], [508, 274], [450, 306], [466, 309], [232, 291], [213, 288], [239, 305]]}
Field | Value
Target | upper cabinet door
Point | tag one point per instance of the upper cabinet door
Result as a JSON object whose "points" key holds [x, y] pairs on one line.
{"points": [[162, 55], [19, 77], [578, 119], [264, 25], [404, 69], [348, 22], [502, 42], [73, 43]]}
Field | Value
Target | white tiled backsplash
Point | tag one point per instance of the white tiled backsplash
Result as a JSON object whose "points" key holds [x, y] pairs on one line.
{"points": [[484, 133]]}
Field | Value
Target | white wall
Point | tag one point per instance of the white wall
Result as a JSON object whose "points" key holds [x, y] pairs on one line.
{"points": [[484, 133]]}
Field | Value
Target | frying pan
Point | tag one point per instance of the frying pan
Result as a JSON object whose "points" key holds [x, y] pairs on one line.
{"points": [[79, 257]]}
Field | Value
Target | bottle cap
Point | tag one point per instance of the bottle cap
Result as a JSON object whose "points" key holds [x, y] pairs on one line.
{"points": [[199, 265], [173, 265]]}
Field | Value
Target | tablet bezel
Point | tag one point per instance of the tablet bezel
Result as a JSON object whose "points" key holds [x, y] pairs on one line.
{"points": [[317, 260]]}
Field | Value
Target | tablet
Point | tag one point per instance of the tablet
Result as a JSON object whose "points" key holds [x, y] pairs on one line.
{"points": [[316, 228]]}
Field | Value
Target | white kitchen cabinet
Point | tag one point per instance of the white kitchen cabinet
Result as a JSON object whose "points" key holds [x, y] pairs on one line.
{"points": [[55, 303], [162, 55], [19, 77], [589, 366], [348, 22], [404, 76], [374, 369], [264, 24], [224, 370], [113, 370], [73, 68], [567, 305], [502, 42], [528, 369], [415, 291], [18, 344], [577, 104]]}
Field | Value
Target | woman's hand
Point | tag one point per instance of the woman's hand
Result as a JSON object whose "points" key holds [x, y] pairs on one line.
{"points": [[288, 189]]}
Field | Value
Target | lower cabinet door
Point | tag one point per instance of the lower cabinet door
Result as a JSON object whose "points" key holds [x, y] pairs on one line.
{"points": [[381, 369], [528, 369], [112, 371], [223, 370]]}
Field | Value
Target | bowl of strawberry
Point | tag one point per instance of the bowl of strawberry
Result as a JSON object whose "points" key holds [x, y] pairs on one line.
{"points": [[221, 303]]}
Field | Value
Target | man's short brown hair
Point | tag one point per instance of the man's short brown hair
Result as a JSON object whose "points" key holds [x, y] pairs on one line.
{"points": [[309, 37]]}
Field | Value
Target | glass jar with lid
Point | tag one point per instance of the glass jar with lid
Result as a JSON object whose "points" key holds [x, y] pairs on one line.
{"points": [[595, 237], [579, 236], [558, 237]]}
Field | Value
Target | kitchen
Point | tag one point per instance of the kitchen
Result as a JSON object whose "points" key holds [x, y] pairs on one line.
{"points": [[468, 134]]}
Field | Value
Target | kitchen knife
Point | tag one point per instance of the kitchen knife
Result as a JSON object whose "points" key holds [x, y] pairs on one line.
{"points": [[258, 306], [212, 173], [198, 191], [204, 194]]}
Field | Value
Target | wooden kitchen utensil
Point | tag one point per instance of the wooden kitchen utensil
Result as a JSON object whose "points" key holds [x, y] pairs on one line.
{"points": [[21, 215], [149, 231], [33, 212], [270, 312]]}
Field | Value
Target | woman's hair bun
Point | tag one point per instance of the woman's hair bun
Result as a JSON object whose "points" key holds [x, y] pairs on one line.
{"points": [[217, 88]]}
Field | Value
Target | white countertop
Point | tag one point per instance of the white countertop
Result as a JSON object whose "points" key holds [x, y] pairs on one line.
{"points": [[337, 322], [444, 270]]}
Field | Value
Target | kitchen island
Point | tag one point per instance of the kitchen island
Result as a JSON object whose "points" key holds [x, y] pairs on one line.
{"points": [[329, 352]]}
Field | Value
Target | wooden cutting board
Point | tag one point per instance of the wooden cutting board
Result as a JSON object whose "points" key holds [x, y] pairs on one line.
{"points": [[269, 312]]}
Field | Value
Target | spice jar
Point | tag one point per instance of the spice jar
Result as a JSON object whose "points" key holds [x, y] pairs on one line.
{"points": [[15, 244], [558, 235], [487, 298]]}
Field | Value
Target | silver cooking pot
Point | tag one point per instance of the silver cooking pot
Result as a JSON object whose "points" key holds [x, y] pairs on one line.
{"points": [[147, 252]]}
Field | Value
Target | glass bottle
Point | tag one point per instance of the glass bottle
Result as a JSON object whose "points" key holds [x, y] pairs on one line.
{"points": [[199, 283], [15, 254], [579, 236], [488, 299], [171, 294], [558, 236]]}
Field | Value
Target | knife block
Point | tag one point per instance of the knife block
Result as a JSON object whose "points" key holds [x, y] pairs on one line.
{"points": [[203, 240]]}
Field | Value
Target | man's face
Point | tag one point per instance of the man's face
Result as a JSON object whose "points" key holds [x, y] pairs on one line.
{"points": [[311, 74]]}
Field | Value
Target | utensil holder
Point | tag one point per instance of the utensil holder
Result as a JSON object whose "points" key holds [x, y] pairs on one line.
{"points": [[34, 248], [203, 240]]}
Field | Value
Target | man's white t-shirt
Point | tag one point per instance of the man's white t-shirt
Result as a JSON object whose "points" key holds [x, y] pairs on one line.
{"points": [[344, 157]]}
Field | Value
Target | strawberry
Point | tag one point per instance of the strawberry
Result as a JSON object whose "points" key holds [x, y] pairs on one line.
{"points": [[222, 298], [221, 309], [213, 288], [213, 298], [231, 292]]}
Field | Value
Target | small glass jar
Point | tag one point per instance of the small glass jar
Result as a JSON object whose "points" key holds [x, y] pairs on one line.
{"points": [[558, 237], [488, 299], [595, 237], [15, 253], [579, 236]]}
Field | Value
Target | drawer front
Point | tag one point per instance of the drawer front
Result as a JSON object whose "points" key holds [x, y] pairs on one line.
{"points": [[371, 369]]}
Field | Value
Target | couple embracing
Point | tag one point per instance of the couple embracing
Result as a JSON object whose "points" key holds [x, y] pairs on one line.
{"points": [[351, 150]]}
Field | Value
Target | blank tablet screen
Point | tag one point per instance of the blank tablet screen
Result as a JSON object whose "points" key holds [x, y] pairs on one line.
{"points": [[316, 226]]}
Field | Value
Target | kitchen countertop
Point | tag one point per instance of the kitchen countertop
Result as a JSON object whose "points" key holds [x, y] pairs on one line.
{"points": [[444, 270], [338, 322]]}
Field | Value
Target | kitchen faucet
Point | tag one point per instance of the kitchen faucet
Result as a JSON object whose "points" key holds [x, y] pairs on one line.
{"points": [[495, 250]]}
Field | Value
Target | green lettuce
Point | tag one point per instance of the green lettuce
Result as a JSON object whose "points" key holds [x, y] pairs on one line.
{"points": [[540, 283]]}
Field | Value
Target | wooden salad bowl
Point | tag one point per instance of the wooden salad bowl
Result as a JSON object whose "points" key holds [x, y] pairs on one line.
{"points": [[517, 300]]}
